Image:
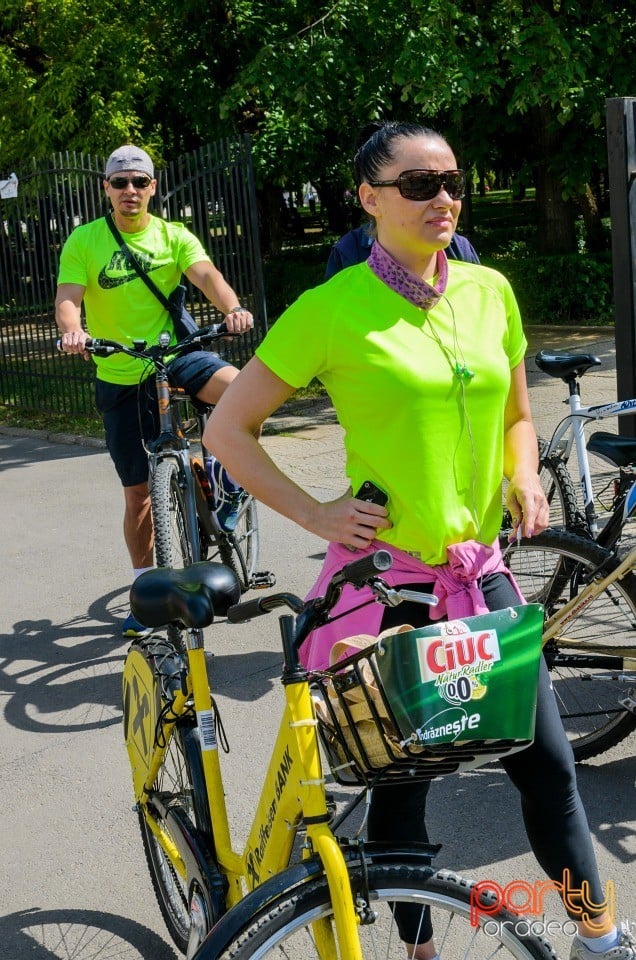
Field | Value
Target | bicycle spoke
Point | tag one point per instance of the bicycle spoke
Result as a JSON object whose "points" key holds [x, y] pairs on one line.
{"points": [[592, 682]]}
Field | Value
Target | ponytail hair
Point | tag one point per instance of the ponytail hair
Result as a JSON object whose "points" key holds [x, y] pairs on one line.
{"points": [[374, 147]]}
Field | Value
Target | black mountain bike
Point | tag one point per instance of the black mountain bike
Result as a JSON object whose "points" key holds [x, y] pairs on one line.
{"points": [[183, 509]]}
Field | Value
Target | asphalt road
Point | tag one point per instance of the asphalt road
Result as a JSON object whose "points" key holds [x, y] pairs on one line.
{"points": [[74, 882]]}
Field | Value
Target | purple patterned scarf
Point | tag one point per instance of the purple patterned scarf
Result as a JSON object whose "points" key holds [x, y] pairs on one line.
{"points": [[406, 283]]}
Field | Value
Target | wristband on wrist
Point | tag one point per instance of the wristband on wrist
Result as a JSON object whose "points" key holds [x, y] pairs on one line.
{"points": [[237, 309]]}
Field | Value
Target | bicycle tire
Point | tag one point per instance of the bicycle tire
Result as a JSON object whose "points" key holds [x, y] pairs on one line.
{"points": [[172, 547], [559, 491], [180, 781], [551, 568], [239, 550], [283, 928]]}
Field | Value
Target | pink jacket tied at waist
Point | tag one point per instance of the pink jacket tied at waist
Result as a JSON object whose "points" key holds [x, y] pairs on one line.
{"points": [[455, 584]]}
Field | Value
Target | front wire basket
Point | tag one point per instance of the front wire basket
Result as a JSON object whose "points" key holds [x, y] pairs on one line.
{"points": [[360, 735]]}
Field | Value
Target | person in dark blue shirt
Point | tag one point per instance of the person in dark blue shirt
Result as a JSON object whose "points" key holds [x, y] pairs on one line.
{"points": [[356, 245]]}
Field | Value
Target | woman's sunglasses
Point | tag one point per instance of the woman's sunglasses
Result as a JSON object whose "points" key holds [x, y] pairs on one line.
{"points": [[139, 183], [426, 184]]}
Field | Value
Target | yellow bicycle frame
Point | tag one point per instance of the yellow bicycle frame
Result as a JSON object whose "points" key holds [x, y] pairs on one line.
{"points": [[293, 790]]}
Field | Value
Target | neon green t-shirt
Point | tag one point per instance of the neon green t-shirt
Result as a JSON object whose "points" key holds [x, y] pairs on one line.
{"points": [[432, 441], [118, 304]]}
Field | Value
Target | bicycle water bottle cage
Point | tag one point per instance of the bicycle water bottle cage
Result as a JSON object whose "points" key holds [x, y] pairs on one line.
{"points": [[565, 365], [192, 596]]}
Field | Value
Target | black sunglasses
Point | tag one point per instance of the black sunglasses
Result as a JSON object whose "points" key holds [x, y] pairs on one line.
{"points": [[139, 183], [426, 184]]}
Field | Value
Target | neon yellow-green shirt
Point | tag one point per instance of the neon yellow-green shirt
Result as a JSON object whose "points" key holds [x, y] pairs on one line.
{"points": [[432, 441], [118, 304]]}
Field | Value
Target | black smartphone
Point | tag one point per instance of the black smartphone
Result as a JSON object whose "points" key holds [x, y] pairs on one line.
{"points": [[371, 494]]}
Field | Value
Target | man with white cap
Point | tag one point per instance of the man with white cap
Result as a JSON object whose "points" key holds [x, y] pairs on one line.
{"points": [[119, 306]]}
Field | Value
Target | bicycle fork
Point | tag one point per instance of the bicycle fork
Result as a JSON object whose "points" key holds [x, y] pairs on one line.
{"points": [[171, 429]]}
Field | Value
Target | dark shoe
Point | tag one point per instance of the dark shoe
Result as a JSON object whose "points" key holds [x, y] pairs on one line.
{"points": [[134, 630], [228, 496]]}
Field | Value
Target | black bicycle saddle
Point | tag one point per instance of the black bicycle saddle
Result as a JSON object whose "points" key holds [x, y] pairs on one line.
{"points": [[192, 596], [565, 365]]}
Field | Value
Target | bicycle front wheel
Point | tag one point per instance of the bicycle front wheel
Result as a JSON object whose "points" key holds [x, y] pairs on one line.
{"points": [[179, 781], [559, 491], [285, 928], [172, 546], [592, 657]]}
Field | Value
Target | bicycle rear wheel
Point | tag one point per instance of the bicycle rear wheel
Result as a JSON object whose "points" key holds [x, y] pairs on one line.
{"points": [[591, 659], [172, 546], [239, 550], [180, 781], [284, 928]]}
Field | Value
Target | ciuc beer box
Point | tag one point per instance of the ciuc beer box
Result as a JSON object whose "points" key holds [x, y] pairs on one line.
{"points": [[467, 680]]}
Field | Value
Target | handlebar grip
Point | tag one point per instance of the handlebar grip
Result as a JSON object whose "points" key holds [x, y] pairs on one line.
{"points": [[90, 345], [103, 348], [360, 570], [214, 330], [240, 612]]}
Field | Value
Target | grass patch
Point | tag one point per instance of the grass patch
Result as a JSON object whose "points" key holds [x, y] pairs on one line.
{"points": [[299, 267], [90, 426]]}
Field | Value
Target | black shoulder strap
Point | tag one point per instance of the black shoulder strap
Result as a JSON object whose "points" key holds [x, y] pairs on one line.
{"points": [[134, 263]]}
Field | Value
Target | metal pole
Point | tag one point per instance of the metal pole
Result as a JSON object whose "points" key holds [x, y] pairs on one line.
{"points": [[621, 156]]}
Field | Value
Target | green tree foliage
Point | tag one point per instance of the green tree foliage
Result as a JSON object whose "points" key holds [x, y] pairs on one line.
{"points": [[519, 86], [72, 73], [543, 66]]}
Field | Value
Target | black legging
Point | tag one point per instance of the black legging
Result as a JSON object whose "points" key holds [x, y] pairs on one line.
{"points": [[543, 773]]}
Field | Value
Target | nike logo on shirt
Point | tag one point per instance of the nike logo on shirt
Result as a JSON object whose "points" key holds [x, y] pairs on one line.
{"points": [[119, 271]]}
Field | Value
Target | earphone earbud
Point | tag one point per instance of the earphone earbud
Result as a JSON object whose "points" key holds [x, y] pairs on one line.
{"points": [[462, 372]]}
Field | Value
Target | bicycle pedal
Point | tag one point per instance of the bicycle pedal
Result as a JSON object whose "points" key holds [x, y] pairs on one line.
{"points": [[262, 580]]}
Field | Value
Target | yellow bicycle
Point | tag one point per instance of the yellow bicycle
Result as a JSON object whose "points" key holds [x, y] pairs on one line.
{"points": [[341, 898]]}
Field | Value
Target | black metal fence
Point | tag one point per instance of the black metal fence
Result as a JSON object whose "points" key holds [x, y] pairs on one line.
{"points": [[210, 190]]}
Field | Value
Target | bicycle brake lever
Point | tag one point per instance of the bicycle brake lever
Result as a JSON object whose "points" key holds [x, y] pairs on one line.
{"points": [[415, 596], [391, 597]]}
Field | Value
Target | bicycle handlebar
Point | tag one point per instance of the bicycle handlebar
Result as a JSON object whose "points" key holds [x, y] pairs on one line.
{"points": [[202, 337], [358, 573], [241, 612]]}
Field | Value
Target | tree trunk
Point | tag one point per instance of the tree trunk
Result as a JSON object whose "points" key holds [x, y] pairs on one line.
{"points": [[555, 215], [332, 201], [597, 240], [270, 204]]}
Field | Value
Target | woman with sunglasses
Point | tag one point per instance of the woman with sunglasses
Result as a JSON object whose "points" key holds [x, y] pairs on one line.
{"points": [[423, 360]]}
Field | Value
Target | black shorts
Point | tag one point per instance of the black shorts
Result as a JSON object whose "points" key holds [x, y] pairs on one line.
{"points": [[130, 413]]}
